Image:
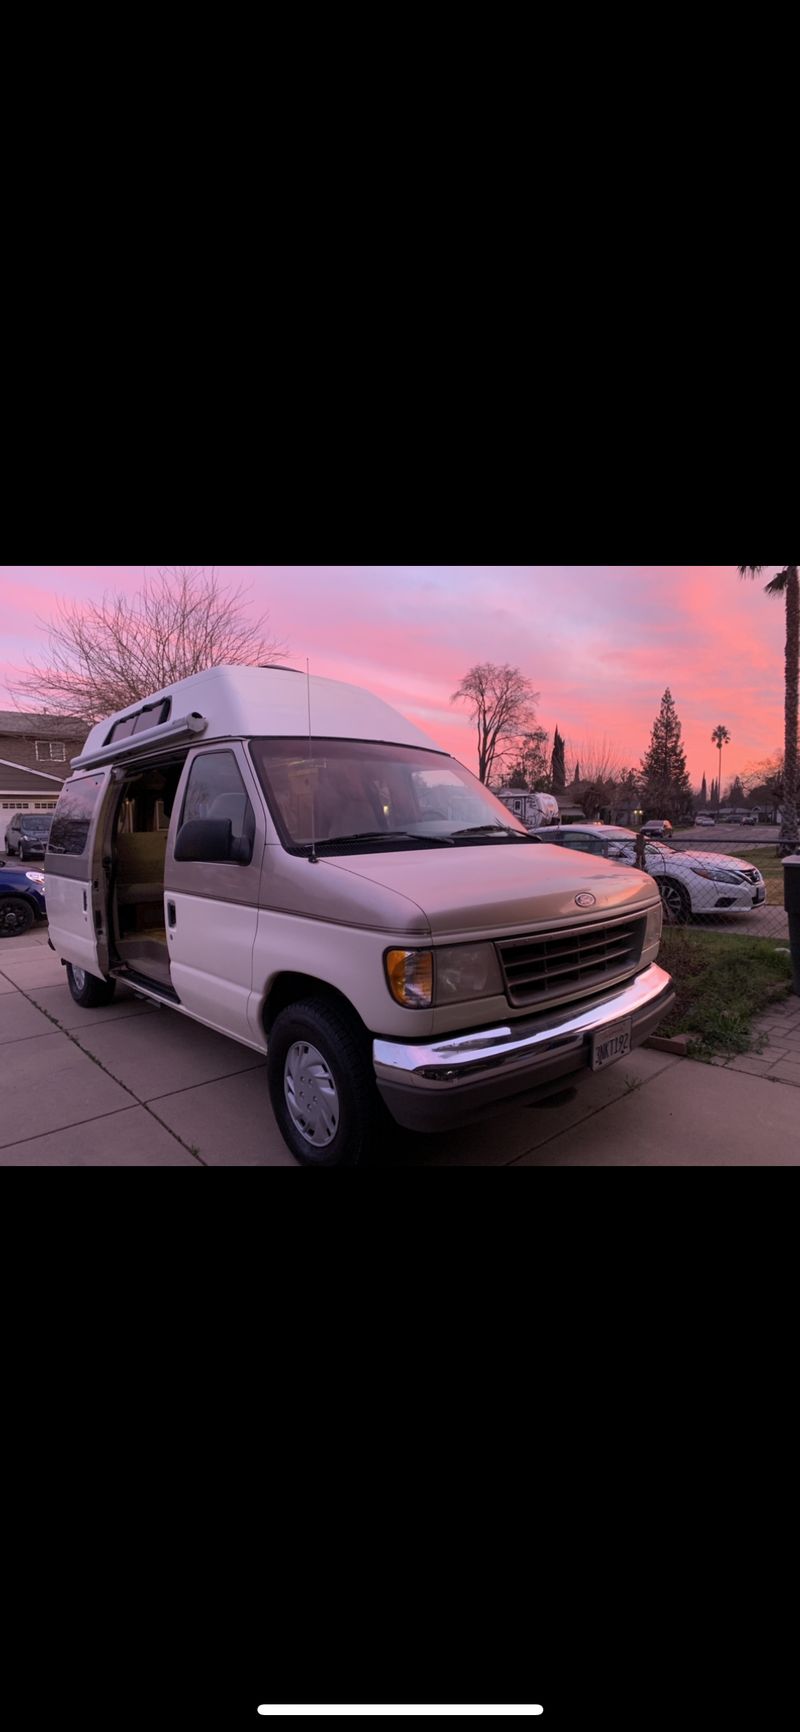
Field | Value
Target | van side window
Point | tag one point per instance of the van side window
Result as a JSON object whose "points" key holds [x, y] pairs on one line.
{"points": [[73, 815], [216, 790]]}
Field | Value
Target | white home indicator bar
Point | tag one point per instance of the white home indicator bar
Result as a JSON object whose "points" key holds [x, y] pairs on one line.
{"points": [[438, 1708]]}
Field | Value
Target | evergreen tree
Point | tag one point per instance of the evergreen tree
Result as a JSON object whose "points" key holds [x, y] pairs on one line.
{"points": [[704, 792], [558, 773], [737, 794], [666, 790]]}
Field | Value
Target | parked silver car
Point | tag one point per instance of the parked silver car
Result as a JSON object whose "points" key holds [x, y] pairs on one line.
{"points": [[27, 834], [689, 882]]}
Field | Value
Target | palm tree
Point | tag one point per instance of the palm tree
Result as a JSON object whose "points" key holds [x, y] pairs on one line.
{"points": [[787, 583], [720, 738]]}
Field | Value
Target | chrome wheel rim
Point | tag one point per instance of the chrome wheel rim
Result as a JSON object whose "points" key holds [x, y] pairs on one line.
{"points": [[79, 979], [311, 1094], [674, 905]]}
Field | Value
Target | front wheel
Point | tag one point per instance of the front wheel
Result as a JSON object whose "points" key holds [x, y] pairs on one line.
{"points": [[675, 902], [87, 990], [16, 916], [322, 1085]]}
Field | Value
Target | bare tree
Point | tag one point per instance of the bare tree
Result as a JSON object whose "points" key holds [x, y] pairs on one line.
{"points": [[502, 706], [597, 759], [108, 654], [765, 782], [765, 771]]}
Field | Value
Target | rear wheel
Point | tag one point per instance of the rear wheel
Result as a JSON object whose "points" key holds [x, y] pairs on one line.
{"points": [[16, 916], [322, 1085], [675, 901], [87, 990]]}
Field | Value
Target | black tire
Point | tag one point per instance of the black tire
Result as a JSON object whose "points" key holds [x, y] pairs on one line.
{"points": [[346, 1110], [88, 990], [675, 902], [16, 916]]}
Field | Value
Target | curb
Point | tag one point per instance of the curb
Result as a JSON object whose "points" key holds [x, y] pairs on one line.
{"points": [[678, 1044]]}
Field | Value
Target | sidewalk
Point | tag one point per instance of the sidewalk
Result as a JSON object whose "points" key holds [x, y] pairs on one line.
{"points": [[135, 1085]]}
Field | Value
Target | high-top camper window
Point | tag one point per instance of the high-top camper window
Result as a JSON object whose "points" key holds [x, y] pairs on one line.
{"points": [[151, 716]]}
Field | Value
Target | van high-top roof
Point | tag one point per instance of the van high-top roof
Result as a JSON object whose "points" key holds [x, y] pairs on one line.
{"points": [[231, 702]]}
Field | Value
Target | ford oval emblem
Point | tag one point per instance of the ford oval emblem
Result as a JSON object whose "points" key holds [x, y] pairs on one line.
{"points": [[586, 899]]}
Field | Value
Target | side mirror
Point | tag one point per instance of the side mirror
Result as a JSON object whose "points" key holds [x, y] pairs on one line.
{"points": [[211, 839]]}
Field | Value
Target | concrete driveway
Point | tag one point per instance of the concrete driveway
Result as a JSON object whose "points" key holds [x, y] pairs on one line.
{"points": [[135, 1085]]}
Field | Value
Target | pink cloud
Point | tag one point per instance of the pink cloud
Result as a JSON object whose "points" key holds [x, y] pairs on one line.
{"points": [[600, 643]]}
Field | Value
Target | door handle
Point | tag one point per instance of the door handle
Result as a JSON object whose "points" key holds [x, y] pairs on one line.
{"points": [[171, 914]]}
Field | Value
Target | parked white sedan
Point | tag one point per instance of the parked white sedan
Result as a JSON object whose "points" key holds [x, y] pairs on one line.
{"points": [[690, 882]]}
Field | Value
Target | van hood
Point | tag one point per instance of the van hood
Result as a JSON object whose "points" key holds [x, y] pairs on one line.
{"points": [[499, 887]]}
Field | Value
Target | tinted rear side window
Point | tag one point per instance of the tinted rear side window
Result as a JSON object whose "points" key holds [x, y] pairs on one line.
{"points": [[73, 816]]}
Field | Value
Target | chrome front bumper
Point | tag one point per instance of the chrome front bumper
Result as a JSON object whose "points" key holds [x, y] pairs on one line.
{"points": [[432, 1085]]}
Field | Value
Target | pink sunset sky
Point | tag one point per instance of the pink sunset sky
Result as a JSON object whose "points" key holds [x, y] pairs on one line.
{"points": [[600, 643]]}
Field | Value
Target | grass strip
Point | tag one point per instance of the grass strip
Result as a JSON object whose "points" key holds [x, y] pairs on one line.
{"points": [[722, 982]]}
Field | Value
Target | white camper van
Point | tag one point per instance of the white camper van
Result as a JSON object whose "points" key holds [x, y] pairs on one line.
{"points": [[292, 863]]}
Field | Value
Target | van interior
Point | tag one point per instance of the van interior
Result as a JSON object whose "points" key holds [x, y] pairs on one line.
{"points": [[138, 852]]}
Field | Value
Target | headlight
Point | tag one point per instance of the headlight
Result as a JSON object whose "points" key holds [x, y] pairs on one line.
{"points": [[655, 922], [718, 875], [419, 978], [36, 877], [467, 971]]}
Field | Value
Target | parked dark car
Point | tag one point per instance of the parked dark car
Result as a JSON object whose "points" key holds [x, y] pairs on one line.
{"points": [[21, 900], [27, 834]]}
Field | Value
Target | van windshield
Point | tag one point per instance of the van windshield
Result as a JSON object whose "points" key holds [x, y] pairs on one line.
{"points": [[364, 795]]}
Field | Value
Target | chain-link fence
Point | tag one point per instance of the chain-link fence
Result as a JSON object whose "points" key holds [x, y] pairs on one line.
{"points": [[731, 886], [731, 881]]}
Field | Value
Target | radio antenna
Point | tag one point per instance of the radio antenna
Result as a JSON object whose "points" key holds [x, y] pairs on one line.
{"points": [[313, 856]]}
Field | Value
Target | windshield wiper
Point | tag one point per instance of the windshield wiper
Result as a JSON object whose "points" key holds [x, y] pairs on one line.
{"points": [[492, 829], [386, 836]]}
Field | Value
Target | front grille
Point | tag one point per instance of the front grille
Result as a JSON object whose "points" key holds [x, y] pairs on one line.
{"points": [[568, 963]]}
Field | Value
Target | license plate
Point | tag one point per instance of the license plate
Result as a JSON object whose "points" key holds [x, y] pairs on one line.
{"points": [[761, 896], [611, 1043]]}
